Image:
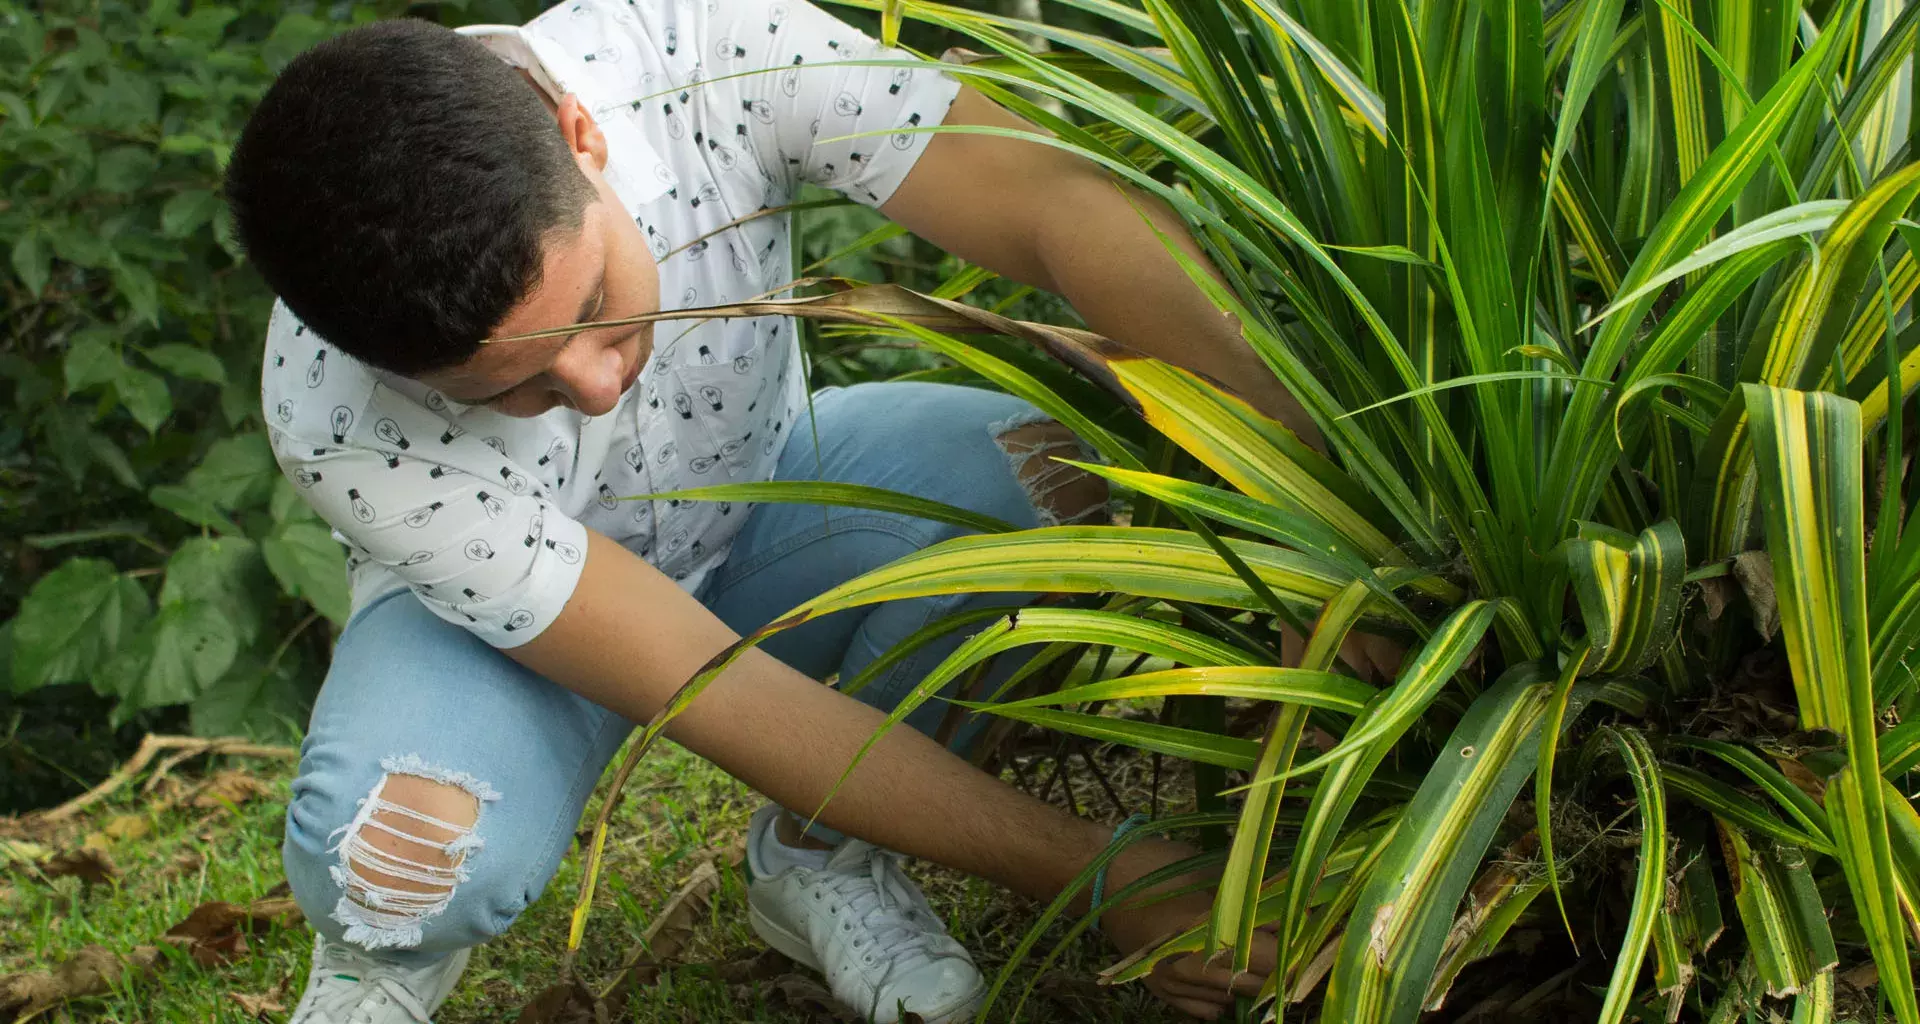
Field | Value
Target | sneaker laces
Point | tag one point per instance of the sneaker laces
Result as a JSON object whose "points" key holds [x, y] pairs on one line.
{"points": [[350, 998], [879, 898]]}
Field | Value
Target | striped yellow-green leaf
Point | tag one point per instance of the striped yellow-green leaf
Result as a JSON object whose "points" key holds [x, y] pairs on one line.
{"points": [[1237, 899], [1813, 319], [1650, 883], [1543, 776], [1505, 889], [891, 11], [1191, 744], [1575, 469], [1399, 926], [1320, 689], [1724, 801], [1785, 923], [1345, 781], [1808, 450], [1629, 595], [820, 492], [1690, 924]]}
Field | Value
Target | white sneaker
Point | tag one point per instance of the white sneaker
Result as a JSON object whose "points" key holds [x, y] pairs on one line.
{"points": [[347, 986], [864, 925]]}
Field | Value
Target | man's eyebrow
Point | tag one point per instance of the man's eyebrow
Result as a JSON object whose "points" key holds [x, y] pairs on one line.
{"points": [[588, 308]]}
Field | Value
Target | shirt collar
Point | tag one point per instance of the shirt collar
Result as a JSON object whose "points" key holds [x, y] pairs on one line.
{"points": [[630, 158]]}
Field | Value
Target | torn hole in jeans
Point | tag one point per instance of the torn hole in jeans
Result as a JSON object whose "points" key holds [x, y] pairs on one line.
{"points": [[399, 865], [1060, 494]]}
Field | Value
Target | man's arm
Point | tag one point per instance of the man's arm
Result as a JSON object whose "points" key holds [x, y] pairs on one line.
{"points": [[1045, 217], [629, 637]]}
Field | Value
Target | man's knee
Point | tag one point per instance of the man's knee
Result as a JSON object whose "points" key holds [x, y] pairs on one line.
{"points": [[400, 872], [1060, 494]]}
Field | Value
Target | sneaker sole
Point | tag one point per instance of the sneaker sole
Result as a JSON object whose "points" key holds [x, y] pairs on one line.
{"points": [[795, 948]]}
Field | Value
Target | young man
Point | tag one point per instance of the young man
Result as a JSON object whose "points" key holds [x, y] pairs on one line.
{"points": [[411, 192]]}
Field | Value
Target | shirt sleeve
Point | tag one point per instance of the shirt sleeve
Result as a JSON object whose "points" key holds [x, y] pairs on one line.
{"points": [[490, 553], [803, 107]]}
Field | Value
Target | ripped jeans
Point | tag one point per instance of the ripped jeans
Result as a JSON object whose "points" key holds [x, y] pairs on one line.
{"points": [[412, 703]]}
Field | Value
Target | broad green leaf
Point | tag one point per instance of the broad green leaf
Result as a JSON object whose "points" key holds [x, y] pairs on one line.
{"points": [[816, 492], [890, 14], [32, 261], [92, 358], [194, 507], [187, 361], [182, 651], [236, 473], [124, 169], [257, 698], [186, 211], [1387, 958], [1505, 889], [74, 619], [310, 565], [225, 572], [1807, 448], [145, 397]]}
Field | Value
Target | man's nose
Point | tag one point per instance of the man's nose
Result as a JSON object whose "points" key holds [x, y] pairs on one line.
{"points": [[588, 377]]}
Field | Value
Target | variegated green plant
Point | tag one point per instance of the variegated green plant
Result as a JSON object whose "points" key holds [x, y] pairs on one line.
{"points": [[1604, 311]]}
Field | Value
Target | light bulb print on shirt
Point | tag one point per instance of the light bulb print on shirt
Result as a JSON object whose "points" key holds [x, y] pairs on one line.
{"points": [[847, 105], [514, 481], [342, 420], [535, 527], [761, 110], [361, 509], [497, 445], [284, 410], [447, 435], [901, 76], [727, 49], [306, 477], [420, 517], [636, 456], [683, 405], [495, 508], [711, 395], [703, 463], [903, 139], [606, 498], [567, 552], [479, 550], [317, 370], [790, 78]]}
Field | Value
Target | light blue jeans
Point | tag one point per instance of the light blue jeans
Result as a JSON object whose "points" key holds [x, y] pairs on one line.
{"points": [[410, 694]]}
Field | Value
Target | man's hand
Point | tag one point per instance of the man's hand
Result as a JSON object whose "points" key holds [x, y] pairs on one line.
{"points": [[1187, 983]]}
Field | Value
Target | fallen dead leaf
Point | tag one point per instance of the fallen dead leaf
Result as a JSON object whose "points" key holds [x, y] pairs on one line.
{"points": [[92, 866], [91, 971], [268, 1002], [567, 1002], [805, 995], [230, 786], [122, 827], [216, 933]]}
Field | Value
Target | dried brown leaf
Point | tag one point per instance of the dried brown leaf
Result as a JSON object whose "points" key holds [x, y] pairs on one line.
{"points": [[92, 866], [91, 971], [263, 1004], [230, 786], [1754, 572]]}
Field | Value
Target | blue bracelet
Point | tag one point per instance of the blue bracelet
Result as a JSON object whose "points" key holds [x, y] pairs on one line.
{"points": [[1099, 891]]}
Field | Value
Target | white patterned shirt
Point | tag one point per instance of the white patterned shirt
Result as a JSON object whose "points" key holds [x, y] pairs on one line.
{"points": [[484, 516]]}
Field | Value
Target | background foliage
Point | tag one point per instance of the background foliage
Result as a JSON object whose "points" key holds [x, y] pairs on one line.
{"points": [[156, 573]]}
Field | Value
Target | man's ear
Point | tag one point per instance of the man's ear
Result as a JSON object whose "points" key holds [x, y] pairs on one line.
{"points": [[582, 134]]}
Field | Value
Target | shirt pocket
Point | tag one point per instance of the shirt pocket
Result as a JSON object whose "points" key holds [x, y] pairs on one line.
{"points": [[731, 395]]}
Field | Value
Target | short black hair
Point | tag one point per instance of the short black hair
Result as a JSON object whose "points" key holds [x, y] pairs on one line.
{"points": [[394, 186]]}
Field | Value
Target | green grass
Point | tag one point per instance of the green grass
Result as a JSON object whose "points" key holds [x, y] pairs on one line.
{"points": [[683, 811]]}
